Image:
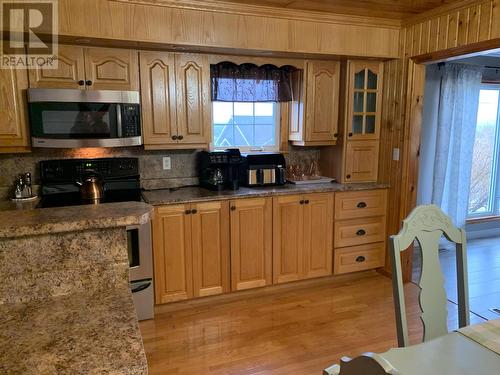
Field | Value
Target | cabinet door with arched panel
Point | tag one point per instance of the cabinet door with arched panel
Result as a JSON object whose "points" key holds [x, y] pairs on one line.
{"points": [[194, 110], [111, 69], [69, 73], [364, 99], [158, 98]]}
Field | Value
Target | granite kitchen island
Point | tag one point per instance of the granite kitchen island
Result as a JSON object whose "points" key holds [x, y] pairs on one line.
{"points": [[65, 301]]}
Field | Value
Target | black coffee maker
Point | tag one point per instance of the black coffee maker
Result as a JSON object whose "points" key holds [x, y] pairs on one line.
{"points": [[219, 170]]}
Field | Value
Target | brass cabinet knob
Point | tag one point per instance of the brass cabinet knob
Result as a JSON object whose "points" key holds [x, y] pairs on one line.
{"points": [[88, 83], [174, 137], [360, 259], [361, 232], [194, 210], [180, 137], [233, 208], [361, 205]]}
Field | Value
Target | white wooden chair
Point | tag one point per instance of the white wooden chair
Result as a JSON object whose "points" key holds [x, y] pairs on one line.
{"points": [[427, 224]]}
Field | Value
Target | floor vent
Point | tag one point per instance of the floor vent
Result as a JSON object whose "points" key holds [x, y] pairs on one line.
{"points": [[496, 310]]}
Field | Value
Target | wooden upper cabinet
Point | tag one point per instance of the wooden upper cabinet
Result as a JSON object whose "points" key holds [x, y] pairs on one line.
{"points": [[251, 243], [112, 69], [158, 98], [193, 99], [70, 72], [287, 238], [14, 134], [173, 279], [318, 234], [210, 244], [364, 99], [315, 111], [361, 161]]}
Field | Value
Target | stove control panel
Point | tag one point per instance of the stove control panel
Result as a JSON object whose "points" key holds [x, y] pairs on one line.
{"points": [[70, 170]]}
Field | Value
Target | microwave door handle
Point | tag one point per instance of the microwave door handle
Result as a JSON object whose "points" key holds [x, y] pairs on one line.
{"points": [[119, 120]]}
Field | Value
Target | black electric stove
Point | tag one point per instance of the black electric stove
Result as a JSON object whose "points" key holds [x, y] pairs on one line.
{"points": [[58, 180]]}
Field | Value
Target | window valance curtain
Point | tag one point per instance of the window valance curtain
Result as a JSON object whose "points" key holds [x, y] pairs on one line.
{"points": [[251, 83]]}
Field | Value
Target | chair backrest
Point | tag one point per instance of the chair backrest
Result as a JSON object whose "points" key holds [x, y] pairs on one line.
{"points": [[427, 224]]}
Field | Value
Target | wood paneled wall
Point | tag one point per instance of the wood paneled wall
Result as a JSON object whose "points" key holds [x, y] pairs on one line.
{"points": [[163, 22], [452, 30]]}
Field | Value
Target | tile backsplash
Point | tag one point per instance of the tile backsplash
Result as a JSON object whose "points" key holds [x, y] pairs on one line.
{"points": [[153, 176]]}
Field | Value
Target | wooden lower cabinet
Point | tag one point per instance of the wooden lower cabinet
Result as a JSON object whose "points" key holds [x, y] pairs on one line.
{"points": [[191, 250], [210, 244], [173, 269], [251, 243], [318, 235], [214, 247], [288, 254], [303, 236], [360, 230]]}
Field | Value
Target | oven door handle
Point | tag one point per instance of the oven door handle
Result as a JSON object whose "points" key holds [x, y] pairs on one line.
{"points": [[141, 287]]}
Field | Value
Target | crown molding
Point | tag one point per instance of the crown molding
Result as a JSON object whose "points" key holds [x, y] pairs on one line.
{"points": [[441, 11], [272, 12]]}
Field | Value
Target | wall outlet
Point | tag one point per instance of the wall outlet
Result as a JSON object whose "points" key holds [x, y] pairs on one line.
{"points": [[395, 154], [167, 165]]}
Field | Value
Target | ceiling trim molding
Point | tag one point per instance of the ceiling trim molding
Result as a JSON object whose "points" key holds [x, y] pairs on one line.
{"points": [[441, 11], [272, 12]]}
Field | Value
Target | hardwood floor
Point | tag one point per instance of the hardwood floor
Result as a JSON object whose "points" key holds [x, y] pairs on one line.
{"points": [[297, 328], [483, 257]]}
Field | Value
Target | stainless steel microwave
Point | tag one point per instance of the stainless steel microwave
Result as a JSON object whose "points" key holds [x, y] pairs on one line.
{"points": [[66, 118]]}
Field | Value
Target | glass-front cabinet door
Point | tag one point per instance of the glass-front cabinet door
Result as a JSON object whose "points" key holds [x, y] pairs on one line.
{"points": [[364, 99]]}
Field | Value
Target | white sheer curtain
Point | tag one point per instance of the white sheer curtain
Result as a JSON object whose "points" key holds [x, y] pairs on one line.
{"points": [[455, 132]]}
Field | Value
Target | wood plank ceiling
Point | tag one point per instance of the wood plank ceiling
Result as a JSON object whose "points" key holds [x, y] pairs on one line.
{"points": [[395, 9]]}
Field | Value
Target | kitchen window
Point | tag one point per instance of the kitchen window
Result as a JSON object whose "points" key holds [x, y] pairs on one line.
{"points": [[249, 126], [246, 104], [484, 191]]}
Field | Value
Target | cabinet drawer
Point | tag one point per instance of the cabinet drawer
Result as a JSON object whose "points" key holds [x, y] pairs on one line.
{"points": [[359, 258], [359, 231], [354, 204]]}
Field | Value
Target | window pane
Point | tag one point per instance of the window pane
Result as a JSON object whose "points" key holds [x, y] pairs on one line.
{"points": [[357, 124], [264, 109], [264, 135], [371, 102], [223, 135], [243, 109], [358, 101], [243, 135], [372, 80], [359, 80], [245, 124], [370, 124], [223, 112], [482, 177]]}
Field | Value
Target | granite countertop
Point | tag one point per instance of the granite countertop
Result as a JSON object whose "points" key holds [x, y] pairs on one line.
{"points": [[16, 223], [199, 194], [72, 334]]}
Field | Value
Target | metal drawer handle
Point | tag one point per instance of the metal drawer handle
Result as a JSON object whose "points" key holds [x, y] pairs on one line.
{"points": [[301, 201], [187, 212], [360, 259], [306, 201], [233, 208], [361, 232], [361, 205], [194, 210]]}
